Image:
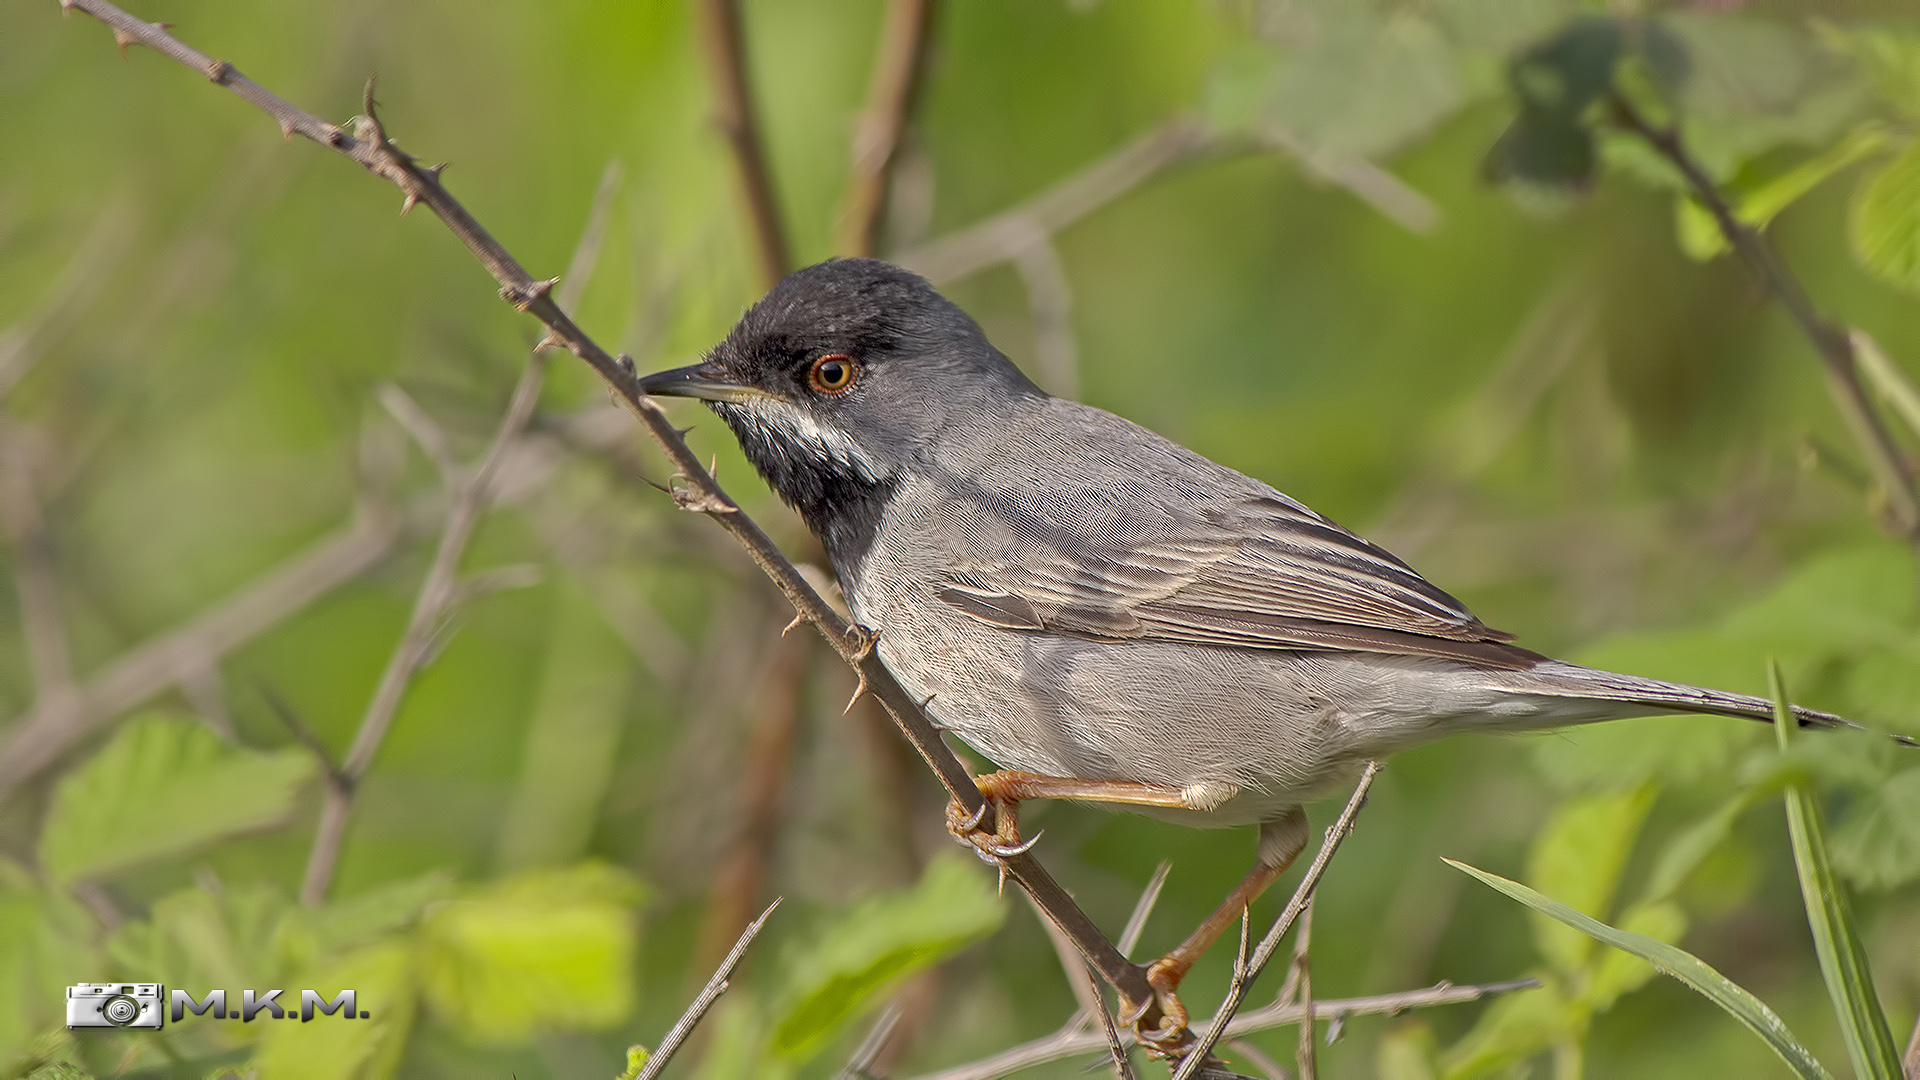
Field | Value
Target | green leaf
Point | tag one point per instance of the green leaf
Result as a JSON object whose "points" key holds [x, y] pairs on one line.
{"points": [[1843, 963], [1757, 203], [547, 950], [1685, 852], [1580, 854], [1694, 972], [307, 935], [1363, 86], [1569, 71], [164, 786], [1617, 973], [637, 1057], [197, 937], [875, 945], [1407, 1053], [1878, 847], [1884, 224], [1889, 53], [332, 1047], [46, 944], [1512, 1029], [1542, 147]]}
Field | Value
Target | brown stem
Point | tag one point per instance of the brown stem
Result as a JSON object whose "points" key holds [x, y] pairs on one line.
{"points": [[369, 146], [1829, 340], [733, 110], [899, 72]]}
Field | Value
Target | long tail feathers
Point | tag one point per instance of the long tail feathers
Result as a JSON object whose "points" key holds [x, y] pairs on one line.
{"points": [[1558, 679]]}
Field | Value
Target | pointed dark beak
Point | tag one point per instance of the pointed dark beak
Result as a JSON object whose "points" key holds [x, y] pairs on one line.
{"points": [[703, 381]]}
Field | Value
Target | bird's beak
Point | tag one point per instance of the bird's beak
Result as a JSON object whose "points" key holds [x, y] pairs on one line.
{"points": [[703, 381]]}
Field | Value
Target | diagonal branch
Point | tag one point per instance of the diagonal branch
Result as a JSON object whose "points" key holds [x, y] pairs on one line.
{"points": [[439, 593], [1830, 341], [899, 72], [724, 40], [44, 735], [1010, 232], [1244, 974], [368, 145], [22, 453], [710, 993]]}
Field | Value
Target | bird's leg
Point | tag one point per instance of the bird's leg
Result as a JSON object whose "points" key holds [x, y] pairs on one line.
{"points": [[1281, 841], [1006, 789]]}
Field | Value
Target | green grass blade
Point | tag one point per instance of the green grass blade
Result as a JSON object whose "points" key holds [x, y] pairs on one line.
{"points": [[1672, 960], [1843, 963]]}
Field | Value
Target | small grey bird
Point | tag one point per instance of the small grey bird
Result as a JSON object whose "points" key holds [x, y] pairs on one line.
{"points": [[1105, 614]]}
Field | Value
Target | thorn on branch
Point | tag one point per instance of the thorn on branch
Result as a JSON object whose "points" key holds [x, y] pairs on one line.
{"points": [[798, 618], [696, 500], [859, 690], [218, 72]]}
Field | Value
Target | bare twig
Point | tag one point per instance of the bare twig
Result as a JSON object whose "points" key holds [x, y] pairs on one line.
{"points": [[1830, 341], [860, 1065], [710, 993], [369, 146], [439, 593], [726, 48], [1195, 1056], [1304, 1061], [1143, 907], [1009, 232], [1122, 1063], [899, 70], [1271, 1068], [41, 737], [1066, 1044]]}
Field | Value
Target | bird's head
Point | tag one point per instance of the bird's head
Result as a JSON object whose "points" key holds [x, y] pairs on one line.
{"points": [[842, 378]]}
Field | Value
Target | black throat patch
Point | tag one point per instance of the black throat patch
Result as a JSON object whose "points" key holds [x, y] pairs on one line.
{"points": [[841, 501]]}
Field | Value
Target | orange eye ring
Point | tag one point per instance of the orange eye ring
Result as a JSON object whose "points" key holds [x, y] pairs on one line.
{"points": [[833, 373]]}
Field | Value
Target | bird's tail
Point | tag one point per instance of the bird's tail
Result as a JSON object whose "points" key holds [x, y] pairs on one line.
{"points": [[1608, 694]]}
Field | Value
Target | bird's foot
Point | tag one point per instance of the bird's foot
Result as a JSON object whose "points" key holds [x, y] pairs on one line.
{"points": [[992, 844], [1160, 1025]]}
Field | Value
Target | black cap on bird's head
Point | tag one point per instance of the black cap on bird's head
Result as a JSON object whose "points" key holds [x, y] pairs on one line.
{"points": [[839, 379]]}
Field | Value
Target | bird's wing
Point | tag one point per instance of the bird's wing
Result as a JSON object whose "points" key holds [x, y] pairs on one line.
{"points": [[1255, 571]]}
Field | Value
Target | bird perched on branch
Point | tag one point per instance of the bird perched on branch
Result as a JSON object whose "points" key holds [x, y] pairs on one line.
{"points": [[1105, 614]]}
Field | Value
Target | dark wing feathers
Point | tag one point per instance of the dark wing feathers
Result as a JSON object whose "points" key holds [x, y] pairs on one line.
{"points": [[1259, 571]]}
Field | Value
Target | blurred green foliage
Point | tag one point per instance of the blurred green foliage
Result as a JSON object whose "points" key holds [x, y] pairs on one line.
{"points": [[1555, 394]]}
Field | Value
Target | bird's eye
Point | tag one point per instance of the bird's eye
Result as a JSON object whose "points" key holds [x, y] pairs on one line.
{"points": [[833, 373]]}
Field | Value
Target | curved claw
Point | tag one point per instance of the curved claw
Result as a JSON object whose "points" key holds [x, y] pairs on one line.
{"points": [[1008, 851], [973, 822]]}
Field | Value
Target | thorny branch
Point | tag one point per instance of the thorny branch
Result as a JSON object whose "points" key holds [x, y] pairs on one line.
{"points": [[710, 993], [899, 72], [439, 593], [734, 112], [1830, 341], [369, 145], [1066, 1044], [1245, 974]]}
